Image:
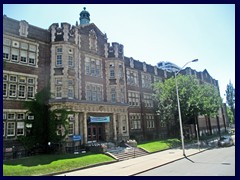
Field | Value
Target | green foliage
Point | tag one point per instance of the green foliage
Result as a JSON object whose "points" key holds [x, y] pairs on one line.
{"points": [[53, 163], [154, 146], [195, 98], [230, 97], [44, 125], [230, 115]]}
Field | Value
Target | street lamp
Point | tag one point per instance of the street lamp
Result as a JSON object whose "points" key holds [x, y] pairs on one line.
{"points": [[179, 109]]}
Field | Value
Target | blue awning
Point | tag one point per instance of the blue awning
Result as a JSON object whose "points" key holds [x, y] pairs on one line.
{"points": [[99, 119]]}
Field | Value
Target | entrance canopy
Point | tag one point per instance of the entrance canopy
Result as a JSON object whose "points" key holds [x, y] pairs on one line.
{"points": [[99, 119]]}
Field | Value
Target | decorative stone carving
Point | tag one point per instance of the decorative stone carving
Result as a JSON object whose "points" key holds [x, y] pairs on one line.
{"points": [[144, 67], [53, 31], [106, 50], [92, 40], [65, 31], [131, 63], [23, 30], [116, 50]]}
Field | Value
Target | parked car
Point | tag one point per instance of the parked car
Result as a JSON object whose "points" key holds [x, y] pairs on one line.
{"points": [[225, 141]]}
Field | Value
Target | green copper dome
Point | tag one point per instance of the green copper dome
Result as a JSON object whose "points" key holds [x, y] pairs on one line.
{"points": [[84, 17]]}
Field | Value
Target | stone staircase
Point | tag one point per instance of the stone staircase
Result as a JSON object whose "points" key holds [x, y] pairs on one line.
{"points": [[127, 153]]}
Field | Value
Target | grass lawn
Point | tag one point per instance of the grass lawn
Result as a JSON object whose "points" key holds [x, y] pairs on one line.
{"points": [[154, 146], [46, 164]]}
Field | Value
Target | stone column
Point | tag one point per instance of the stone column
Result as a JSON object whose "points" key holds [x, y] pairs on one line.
{"points": [[76, 126], [120, 128], [84, 127], [114, 127], [127, 124]]}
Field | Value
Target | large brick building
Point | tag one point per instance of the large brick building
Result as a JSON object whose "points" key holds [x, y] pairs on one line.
{"points": [[110, 94]]}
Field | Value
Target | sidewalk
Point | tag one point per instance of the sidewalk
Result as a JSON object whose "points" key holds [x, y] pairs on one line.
{"points": [[136, 165]]}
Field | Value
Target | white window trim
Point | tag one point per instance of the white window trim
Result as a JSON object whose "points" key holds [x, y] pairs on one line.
{"points": [[14, 130]]}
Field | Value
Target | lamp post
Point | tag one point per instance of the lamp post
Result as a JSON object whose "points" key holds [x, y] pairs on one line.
{"points": [[179, 109]]}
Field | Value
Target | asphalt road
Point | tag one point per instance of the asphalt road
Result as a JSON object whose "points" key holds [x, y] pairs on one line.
{"points": [[213, 162]]}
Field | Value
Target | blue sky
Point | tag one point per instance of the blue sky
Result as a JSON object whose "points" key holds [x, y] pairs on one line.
{"points": [[151, 33]]}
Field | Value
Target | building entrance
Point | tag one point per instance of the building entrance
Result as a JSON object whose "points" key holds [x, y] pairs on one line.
{"points": [[96, 132]]}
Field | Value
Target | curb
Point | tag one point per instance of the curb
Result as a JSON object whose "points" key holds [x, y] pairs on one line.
{"points": [[170, 162]]}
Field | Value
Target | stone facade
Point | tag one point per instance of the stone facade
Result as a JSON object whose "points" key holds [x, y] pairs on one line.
{"points": [[88, 75]]}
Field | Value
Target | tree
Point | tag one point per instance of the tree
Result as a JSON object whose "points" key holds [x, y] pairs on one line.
{"points": [[44, 126], [230, 98], [195, 99]]}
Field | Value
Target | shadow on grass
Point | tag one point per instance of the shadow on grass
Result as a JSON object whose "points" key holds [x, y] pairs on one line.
{"points": [[43, 159]]}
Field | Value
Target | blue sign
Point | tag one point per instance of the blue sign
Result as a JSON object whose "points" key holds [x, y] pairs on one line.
{"points": [[99, 119], [77, 138]]}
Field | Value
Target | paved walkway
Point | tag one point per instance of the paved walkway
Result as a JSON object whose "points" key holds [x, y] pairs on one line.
{"points": [[136, 165]]}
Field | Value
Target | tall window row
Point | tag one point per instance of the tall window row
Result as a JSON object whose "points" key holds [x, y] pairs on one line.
{"points": [[133, 98], [13, 123], [59, 88], [93, 67], [59, 57], [18, 86], [94, 92], [135, 120], [19, 52]]}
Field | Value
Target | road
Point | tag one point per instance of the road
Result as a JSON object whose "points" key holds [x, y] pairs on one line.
{"points": [[213, 162]]}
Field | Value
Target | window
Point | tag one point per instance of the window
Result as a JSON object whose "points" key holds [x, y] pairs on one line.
{"points": [[5, 77], [70, 61], [20, 116], [133, 98], [120, 71], [32, 48], [71, 128], [11, 116], [112, 71], [13, 78], [21, 91], [12, 90], [59, 57], [30, 81], [113, 95], [24, 46], [70, 92], [148, 100], [20, 128], [6, 52], [135, 119], [23, 58], [93, 67], [132, 78], [15, 54], [4, 89], [70, 89], [30, 92], [146, 80], [59, 50], [22, 79], [11, 129], [31, 58], [150, 120], [94, 92], [58, 91]]}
